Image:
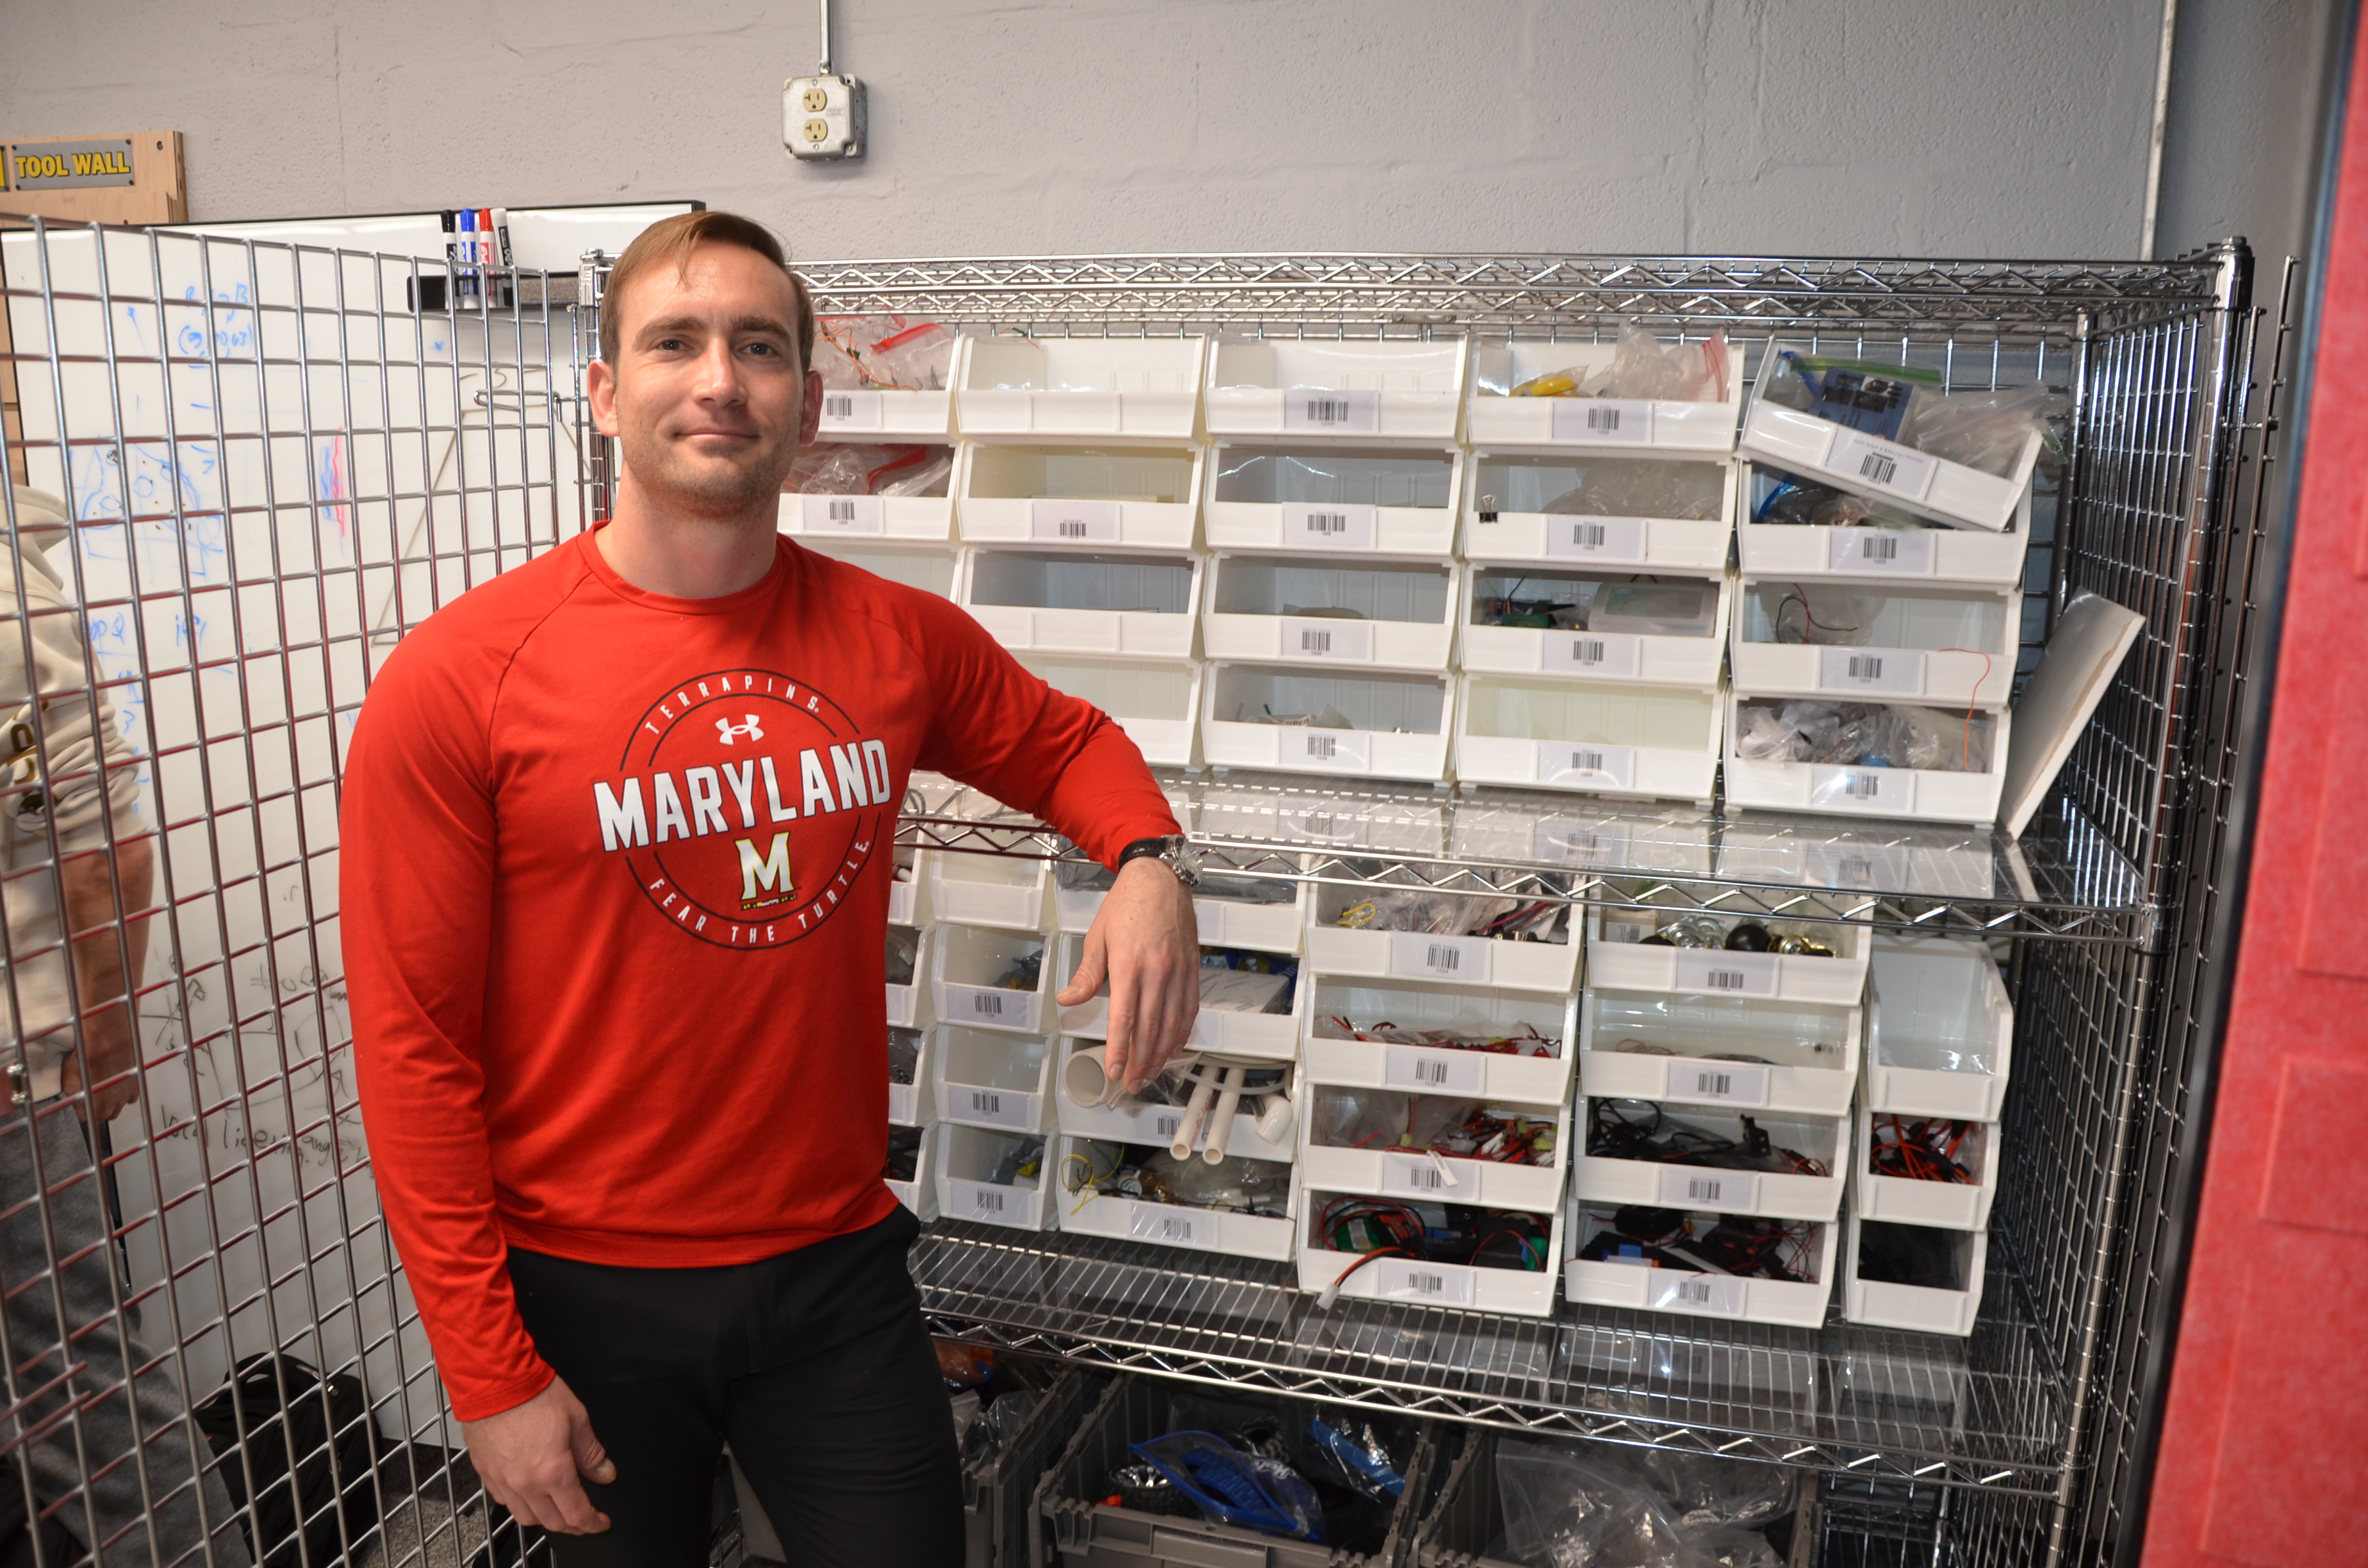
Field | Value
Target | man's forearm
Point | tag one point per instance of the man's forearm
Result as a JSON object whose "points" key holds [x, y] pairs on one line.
{"points": [[100, 949]]}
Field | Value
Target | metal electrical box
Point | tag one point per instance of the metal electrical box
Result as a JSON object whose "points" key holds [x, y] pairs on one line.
{"points": [[822, 116]]}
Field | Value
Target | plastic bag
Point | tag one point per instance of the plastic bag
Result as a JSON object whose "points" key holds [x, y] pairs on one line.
{"points": [[843, 468], [1569, 1509], [1985, 430], [1798, 501], [1640, 370], [1353, 1455], [1858, 734], [991, 1431], [1250, 1490], [1649, 488], [884, 351]]}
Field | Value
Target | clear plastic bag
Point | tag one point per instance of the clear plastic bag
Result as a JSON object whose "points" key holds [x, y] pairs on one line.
{"points": [[885, 352], [1613, 1509], [1860, 734], [1985, 430], [844, 468], [1232, 1486], [1629, 488], [1644, 370], [987, 1436]]}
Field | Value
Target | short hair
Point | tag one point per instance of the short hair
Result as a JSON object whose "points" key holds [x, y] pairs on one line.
{"points": [[673, 239]]}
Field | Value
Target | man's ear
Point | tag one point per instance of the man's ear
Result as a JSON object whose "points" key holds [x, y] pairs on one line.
{"points": [[600, 392], [809, 415]]}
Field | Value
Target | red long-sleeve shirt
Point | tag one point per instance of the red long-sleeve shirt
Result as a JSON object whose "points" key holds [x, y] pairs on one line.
{"points": [[615, 872]]}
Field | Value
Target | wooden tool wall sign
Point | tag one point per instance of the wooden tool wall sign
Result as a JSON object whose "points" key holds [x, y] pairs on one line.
{"points": [[132, 177], [69, 165]]}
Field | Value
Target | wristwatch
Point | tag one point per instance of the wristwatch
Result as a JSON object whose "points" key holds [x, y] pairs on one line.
{"points": [[1175, 851]]}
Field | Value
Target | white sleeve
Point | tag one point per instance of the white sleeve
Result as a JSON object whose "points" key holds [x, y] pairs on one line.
{"points": [[91, 766]]}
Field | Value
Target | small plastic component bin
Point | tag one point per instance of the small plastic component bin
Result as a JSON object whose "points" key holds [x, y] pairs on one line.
{"points": [[996, 1179], [1949, 1205], [1011, 891], [928, 567], [1583, 833], [1090, 497], [990, 979], [1156, 702], [1915, 794], [1382, 818], [1268, 1036], [1146, 1121], [1366, 946], [1600, 738], [1938, 644], [1748, 1299], [1668, 631], [1590, 510], [894, 414], [1333, 501], [911, 1102], [1146, 387], [908, 1004], [1396, 722], [919, 1193], [1332, 612], [1606, 1180], [987, 1078], [907, 900], [1329, 1055], [929, 517], [1496, 419], [1079, 601], [1927, 1280], [1619, 959], [1752, 1055], [1385, 1169], [1339, 390], [1125, 1218], [1940, 1030], [1934, 553], [1418, 1281]]}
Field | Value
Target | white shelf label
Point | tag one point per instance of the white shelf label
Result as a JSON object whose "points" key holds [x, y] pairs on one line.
{"points": [[1720, 974], [1863, 788], [1346, 750], [1432, 1284], [1861, 459], [1317, 409], [1595, 539], [1609, 767], [1721, 1192], [1603, 419], [846, 515], [1175, 1227], [1590, 654], [1413, 1176], [1414, 956], [992, 1005], [1907, 551], [1674, 1290], [981, 1200], [1309, 526], [1568, 841], [1718, 1083], [1891, 670], [851, 410], [1073, 522], [996, 1108], [1432, 1071], [1342, 641]]}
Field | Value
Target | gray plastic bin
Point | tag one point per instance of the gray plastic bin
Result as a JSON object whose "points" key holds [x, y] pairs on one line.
{"points": [[998, 1497], [1084, 1532]]}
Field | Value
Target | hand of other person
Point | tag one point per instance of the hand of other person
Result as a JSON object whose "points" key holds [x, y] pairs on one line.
{"points": [[1146, 943], [535, 1456]]}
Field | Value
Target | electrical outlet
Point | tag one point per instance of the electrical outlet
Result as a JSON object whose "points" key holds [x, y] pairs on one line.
{"points": [[822, 116]]}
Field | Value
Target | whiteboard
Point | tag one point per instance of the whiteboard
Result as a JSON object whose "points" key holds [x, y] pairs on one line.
{"points": [[545, 239]]}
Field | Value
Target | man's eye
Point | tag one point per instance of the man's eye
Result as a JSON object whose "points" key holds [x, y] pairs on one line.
{"points": [[669, 344], [762, 348]]}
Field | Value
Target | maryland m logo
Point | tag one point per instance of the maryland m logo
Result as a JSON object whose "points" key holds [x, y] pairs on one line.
{"points": [[768, 872]]}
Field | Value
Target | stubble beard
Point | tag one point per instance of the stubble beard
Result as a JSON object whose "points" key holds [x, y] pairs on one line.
{"points": [[710, 488]]}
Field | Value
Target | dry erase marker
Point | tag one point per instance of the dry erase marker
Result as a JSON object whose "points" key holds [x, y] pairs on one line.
{"points": [[501, 217], [468, 253]]}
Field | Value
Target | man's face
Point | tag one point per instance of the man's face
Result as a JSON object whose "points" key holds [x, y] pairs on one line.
{"points": [[707, 396]]}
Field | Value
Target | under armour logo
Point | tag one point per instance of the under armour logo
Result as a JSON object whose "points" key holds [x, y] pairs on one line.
{"points": [[728, 731]]}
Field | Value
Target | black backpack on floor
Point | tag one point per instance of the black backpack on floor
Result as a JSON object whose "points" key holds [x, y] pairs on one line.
{"points": [[336, 1445]]}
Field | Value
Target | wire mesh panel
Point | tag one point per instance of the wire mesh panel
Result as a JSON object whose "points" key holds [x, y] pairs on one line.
{"points": [[258, 465]]}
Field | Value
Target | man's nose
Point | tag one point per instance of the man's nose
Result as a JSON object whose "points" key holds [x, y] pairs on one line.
{"points": [[719, 372]]}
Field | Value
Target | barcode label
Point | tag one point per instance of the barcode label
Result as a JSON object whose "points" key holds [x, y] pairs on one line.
{"points": [[845, 513], [997, 1108], [1877, 464], [1343, 749], [1071, 521], [1415, 956], [1594, 654], [1723, 1192], [1694, 1292], [1166, 1125], [1586, 767], [1726, 974], [1603, 419], [1596, 538], [1324, 409], [850, 411], [1410, 1067], [1886, 790], [1155, 1223], [1718, 1083], [1857, 669], [990, 1004], [981, 1200], [1329, 525], [1346, 642], [1325, 827], [1323, 748], [986, 1102], [1719, 1295], [987, 1004], [1570, 842], [987, 1200], [1407, 1177], [1893, 552], [1426, 1282]]}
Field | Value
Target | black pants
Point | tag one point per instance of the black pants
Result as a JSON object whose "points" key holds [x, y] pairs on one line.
{"points": [[814, 1364]]}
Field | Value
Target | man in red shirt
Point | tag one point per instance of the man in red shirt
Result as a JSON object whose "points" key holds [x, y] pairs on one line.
{"points": [[616, 861]]}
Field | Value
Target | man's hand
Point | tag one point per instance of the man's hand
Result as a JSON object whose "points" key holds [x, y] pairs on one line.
{"points": [[1146, 943], [99, 950], [530, 1458], [106, 1047]]}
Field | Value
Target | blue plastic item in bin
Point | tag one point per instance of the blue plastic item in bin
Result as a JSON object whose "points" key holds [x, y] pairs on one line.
{"points": [[1234, 1488]]}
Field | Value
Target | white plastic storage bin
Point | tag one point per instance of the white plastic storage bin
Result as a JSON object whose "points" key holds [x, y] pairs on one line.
{"points": [[1156, 702], [908, 902], [1329, 1055], [1088, 1214], [1808, 1054], [1926, 1308], [968, 966], [970, 1161], [1143, 498], [1006, 891], [1663, 1290], [1951, 1205], [1940, 1030], [1930, 643], [1871, 857], [1268, 1036], [1336, 391], [1606, 738], [989, 1078], [1590, 510], [1567, 830], [1856, 460], [1336, 501], [921, 517], [1371, 952], [1133, 1121], [1618, 959], [1494, 418], [1417, 1176], [1797, 551], [1076, 601], [908, 1005], [1146, 387], [1927, 794], [1362, 613], [1250, 912], [1405, 1281], [1396, 724], [1400, 819], [920, 1193], [910, 1103], [1607, 1181], [904, 413], [928, 567], [1079, 886], [1669, 631]]}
